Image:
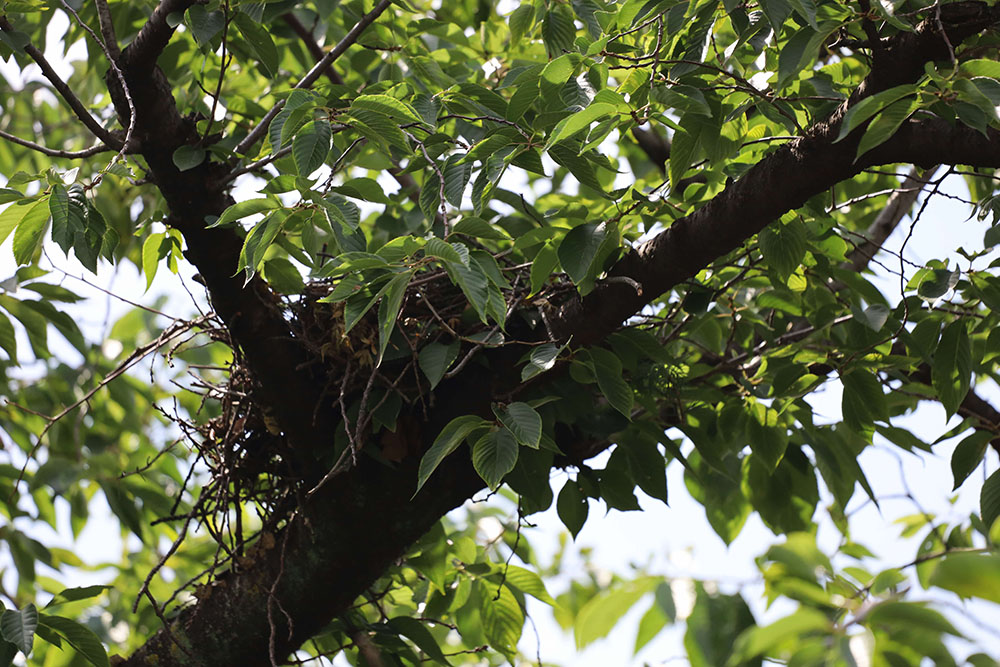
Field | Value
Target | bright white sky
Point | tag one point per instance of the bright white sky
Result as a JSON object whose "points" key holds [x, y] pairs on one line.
{"points": [[675, 541]]}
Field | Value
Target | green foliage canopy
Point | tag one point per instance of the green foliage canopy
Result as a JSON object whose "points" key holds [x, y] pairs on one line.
{"points": [[458, 247]]}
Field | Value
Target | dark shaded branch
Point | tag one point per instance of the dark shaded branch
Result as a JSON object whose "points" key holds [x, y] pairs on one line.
{"points": [[972, 406], [141, 54], [107, 27], [66, 92], [252, 312], [656, 148], [981, 410], [53, 152]]}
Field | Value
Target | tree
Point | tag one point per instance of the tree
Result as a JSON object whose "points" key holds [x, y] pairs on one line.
{"points": [[616, 222]]}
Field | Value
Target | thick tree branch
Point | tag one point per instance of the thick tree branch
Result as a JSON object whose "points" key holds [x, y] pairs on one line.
{"points": [[141, 54], [107, 26], [66, 92], [251, 311]]}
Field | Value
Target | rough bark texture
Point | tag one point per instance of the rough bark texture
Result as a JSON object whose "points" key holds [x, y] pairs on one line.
{"points": [[349, 532]]}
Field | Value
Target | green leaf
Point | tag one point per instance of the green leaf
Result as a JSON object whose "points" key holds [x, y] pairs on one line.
{"points": [[418, 633], [542, 266], [863, 400], [912, 616], [474, 284], [713, 622], [759, 641], [783, 246], [259, 240], [870, 106], [30, 231], [260, 42], [78, 636], [8, 339], [656, 617], [936, 283], [602, 612], [572, 507], [480, 229], [11, 216], [808, 10], [7, 650], [442, 250], [456, 177], [776, 12], [565, 155], [558, 30], [522, 99], [18, 627], [608, 370], [951, 369], [874, 317], [246, 208], [435, 358], [447, 441], [77, 594], [969, 575], [204, 24], [286, 123], [494, 455], [282, 275], [523, 421], [388, 310], [579, 121], [311, 146], [527, 582], [578, 249], [541, 359], [502, 617], [968, 455], [188, 157], [989, 501], [886, 124], [682, 151], [520, 22], [154, 248], [399, 111]]}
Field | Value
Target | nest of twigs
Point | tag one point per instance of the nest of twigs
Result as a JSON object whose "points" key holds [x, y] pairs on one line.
{"points": [[248, 459]]}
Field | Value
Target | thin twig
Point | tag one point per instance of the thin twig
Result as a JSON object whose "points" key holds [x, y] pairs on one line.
{"points": [[259, 164], [53, 152], [222, 73], [177, 329], [113, 62]]}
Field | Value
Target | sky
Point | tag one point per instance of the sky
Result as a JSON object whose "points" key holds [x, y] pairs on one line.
{"points": [[674, 541]]}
